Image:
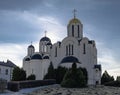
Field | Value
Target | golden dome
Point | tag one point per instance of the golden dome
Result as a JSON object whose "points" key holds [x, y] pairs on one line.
{"points": [[74, 20]]}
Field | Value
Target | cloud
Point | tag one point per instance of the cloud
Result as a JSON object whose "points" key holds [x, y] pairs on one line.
{"points": [[19, 4], [16, 27], [56, 31], [17, 51], [13, 52], [107, 55], [107, 59], [26, 26]]}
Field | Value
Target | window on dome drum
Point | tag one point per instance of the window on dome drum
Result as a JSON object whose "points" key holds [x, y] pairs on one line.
{"points": [[69, 50], [6, 71], [45, 48], [66, 50], [73, 30], [0, 70], [42, 48], [78, 31], [84, 49], [55, 51], [72, 50]]}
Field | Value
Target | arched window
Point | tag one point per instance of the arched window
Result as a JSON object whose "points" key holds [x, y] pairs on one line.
{"points": [[42, 48], [78, 31], [66, 50], [45, 48], [72, 50], [84, 49], [55, 51], [69, 50], [73, 30], [0, 70]]}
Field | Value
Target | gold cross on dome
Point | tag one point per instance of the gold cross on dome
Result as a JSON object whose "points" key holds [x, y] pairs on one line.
{"points": [[74, 12]]}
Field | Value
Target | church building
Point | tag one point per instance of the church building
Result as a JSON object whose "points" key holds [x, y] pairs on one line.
{"points": [[73, 48]]}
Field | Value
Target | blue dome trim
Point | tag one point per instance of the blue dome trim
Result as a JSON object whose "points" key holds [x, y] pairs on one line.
{"points": [[49, 44], [36, 56], [45, 39], [70, 59], [46, 57], [31, 46], [27, 59]]}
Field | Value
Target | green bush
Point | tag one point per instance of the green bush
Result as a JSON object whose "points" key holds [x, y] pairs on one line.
{"points": [[16, 86], [69, 83], [57, 74], [31, 77], [51, 72], [113, 83], [68, 77], [18, 74], [118, 78], [106, 78], [81, 80], [74, 78], [84, 73]]}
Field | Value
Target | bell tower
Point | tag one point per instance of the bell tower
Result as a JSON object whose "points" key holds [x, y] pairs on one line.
{"points": [[45, 44], [31, 50], [75, 27]]}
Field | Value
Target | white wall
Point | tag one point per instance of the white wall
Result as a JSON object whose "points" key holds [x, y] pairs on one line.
{"points": [[3, 74]]}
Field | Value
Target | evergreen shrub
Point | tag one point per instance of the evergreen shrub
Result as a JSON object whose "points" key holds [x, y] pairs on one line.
{"points": [[31, 77], [74, 78]]}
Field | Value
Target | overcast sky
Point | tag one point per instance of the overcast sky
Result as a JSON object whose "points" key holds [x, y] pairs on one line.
{"points": [[23, 21]]}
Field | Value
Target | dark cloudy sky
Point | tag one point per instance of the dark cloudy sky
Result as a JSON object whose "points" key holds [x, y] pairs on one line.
{"points": [[23, 21]]}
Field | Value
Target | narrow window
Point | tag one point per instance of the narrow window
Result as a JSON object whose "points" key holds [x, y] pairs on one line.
{"points": [[72, 50], [78, 31], [66, 50], [69, 50], [84, 49], [42, 48], [0, 70], [55, 51], [73, 30], [6, 71], [45, 48]]}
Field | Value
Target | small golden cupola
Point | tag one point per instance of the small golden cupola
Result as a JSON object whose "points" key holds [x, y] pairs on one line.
{"points": [[74, 20], [75, 27]]}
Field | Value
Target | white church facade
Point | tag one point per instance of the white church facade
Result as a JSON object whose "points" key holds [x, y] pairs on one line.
{"points": [[73, 48]]}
